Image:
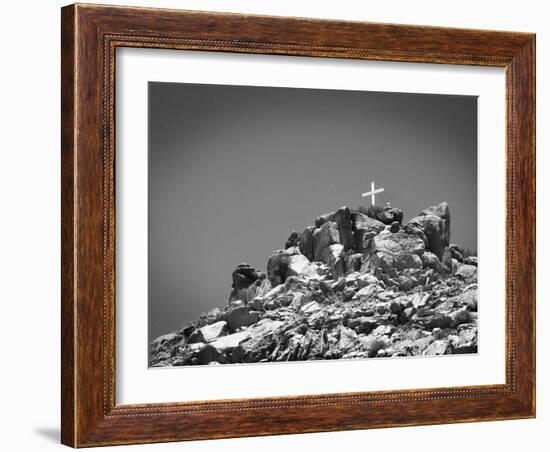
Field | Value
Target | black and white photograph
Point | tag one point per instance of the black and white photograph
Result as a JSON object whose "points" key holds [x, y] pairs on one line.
{"points": [[290, 224]]}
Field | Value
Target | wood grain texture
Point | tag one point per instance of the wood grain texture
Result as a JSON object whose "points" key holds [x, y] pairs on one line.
{"points": [[90, 36]]}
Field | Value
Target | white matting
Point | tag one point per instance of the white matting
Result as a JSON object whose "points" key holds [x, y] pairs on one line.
{"points": [[138, 384]]}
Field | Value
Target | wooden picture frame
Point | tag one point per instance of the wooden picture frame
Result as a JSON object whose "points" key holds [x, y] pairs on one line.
{"points": [[90, 36]]}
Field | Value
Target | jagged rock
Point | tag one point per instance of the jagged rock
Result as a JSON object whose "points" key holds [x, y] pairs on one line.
{"points": [[467, 272], [383, 330], [277, 267], [353, 262], [455, 253], [228, 348], [362, 325], [436, 320], [293, 240], [236, 304], [259, 344], [398, 251], [310, 308], [298, 264], [430, 260], [243, 277], [306, 242], [240, 317], [213, 315], [257, 304], [165, 341], [386, 292], [259, 288], [348, 339], [447, 261], [390, 215], [318, 345], [285, 263], [367, 292], [317, 320], [442, 211], [209, 333], [435, 223], [333, 256], [364, 229], [327, 234], [399, 244], [437, 348], [366, 280], [419, 300], [461, 316], [342, 218]]}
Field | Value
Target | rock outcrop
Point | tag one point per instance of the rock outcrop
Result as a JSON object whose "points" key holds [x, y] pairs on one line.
{"points": [[349, 286]]}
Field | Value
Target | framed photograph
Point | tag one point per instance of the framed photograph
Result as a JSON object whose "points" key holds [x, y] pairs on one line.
{"points": [[281, 225]]}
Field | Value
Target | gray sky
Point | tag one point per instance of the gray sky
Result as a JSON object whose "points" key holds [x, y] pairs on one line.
{"points": [[234, 169]]}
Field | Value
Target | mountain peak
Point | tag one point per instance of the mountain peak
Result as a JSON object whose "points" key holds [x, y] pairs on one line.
{"points": [[356, 284]]}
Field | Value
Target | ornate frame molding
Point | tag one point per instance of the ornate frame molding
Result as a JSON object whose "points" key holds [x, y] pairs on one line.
{"points": [[90, 37]]}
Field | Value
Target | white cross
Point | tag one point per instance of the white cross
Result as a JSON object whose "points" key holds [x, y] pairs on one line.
{"points": [[372, 192]]}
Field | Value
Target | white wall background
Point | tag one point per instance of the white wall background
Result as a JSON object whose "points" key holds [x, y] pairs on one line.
{"points": [[29, 225]]}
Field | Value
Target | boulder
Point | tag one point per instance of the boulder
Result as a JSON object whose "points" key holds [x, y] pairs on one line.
{"points": [[432, 227], [285, 263], [293, 240], [206, 354], [419, 300], [416, 230], [430, 260], [436, 320], [455, 253], [228, 347], [442, 211], [243, 277], [389, 214], [306, 242], [259, 288], [327, 234], [297, 265], [333, 256], [353, 262], [435, 223], [367, 292], [342, 218], [211, 332], [362, 325], [439, 347], [240, 317], [466, 272], [471, 260], [348, 339], [399, 244], [447, 261], [395, 226], [277, 267], [366, 279], [398, 251], [364, 229]]}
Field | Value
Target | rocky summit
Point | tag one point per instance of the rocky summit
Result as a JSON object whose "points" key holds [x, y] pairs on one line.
{"points": [[353, 285]]}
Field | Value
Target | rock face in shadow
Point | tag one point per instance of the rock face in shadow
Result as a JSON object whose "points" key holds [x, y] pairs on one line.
{"points": [[349, 286]]}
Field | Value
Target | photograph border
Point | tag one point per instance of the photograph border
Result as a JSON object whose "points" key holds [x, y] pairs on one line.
{"points": [[90, 35]]}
